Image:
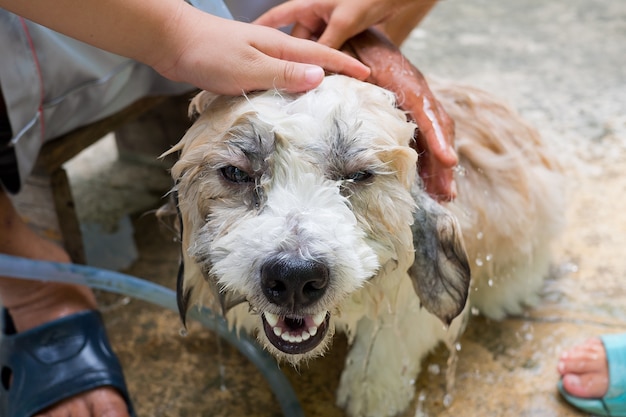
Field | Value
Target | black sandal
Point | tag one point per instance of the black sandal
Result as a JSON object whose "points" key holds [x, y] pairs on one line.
{"points": [[54, 361]]}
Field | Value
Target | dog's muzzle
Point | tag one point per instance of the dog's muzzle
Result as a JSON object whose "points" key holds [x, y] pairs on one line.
{"points": [[292, 285]]}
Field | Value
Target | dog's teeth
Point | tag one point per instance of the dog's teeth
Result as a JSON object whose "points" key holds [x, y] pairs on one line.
{"points": [[271, 319], [318, 319], [296, 336], [293, 338]]}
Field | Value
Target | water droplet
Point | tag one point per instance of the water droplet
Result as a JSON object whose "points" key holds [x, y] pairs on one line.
{"points": [[411, 381], [183, 332], [434, 369], [489, 257], [475, 311], [567, 268], [447, 400], [419, 411], [460, 170], [479, 262], [490, 283], [223, 378], [479, 235], [457, 347]]}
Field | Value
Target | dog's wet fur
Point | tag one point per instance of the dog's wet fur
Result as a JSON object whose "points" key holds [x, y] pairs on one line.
{"points": [[303, 214]]}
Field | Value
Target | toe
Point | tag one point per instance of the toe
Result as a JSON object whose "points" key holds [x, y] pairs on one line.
{"points": [[100, 402], [588, 357], [589, 385]]}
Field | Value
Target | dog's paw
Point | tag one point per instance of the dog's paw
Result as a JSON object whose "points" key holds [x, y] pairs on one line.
{"points": [[368, 396]]}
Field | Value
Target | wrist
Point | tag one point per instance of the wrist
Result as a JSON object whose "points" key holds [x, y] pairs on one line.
{"points": [[177, 37], [163, 52]]}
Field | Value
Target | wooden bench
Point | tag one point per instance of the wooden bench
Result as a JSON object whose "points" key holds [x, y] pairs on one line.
{"points": [[143, 130]]}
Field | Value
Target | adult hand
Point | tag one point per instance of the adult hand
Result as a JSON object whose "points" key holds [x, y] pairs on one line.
{"points": [[435, 134], [332, 22]]}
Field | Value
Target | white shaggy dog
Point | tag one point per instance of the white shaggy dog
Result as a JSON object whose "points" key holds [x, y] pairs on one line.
{"points": [[304, 214]]}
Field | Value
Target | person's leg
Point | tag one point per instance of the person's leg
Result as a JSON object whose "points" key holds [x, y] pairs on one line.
{"points": [[33, 303], [584, 370]]}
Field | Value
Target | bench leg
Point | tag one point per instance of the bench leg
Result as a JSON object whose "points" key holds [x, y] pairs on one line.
{"points": [[47, 205]]}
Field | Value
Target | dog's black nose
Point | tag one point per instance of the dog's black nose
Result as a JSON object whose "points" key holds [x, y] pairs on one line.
{"points": [[294, 282]]}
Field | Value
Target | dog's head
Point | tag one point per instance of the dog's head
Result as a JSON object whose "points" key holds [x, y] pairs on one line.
{"points": [[292, 203]]}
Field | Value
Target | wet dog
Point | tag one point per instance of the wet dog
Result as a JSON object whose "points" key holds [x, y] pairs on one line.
{"points": [[303, 214]]}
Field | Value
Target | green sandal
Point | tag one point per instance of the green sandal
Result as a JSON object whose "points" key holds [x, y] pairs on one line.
{"points": [[613, 404]]}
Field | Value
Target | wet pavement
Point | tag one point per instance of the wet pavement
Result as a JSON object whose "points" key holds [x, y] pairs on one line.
{"points": [[562, 64]]}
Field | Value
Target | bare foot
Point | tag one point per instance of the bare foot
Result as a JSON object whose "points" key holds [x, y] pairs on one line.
{"points": [[101, 402], [584, 370]]}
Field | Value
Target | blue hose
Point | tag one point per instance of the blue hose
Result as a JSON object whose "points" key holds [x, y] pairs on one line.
{"points": [[23, 268]]}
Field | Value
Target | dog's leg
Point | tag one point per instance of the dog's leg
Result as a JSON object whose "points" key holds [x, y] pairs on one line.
{"points": [[385, 356]]}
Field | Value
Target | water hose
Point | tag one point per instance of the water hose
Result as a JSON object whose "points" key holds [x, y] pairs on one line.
{"points": [[111, 281]]}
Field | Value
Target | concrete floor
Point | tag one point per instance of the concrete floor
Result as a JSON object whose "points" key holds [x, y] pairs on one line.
{"points": [[562, 64]]}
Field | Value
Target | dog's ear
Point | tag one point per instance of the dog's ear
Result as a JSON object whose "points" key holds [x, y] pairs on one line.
{"points": [[440, 272], [199, 104]]}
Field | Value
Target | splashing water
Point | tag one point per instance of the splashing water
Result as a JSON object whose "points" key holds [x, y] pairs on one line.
{"points": [[221, 368], [453, 359], [460, 170], [434, 369], [419, 409]]}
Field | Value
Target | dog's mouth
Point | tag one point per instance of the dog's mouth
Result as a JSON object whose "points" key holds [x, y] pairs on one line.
{"points": [[295, 334]]}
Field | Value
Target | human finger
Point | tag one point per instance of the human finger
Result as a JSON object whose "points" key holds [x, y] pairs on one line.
{"points": [[435, 136], [290, 13], [296, 64], [346, 22]]}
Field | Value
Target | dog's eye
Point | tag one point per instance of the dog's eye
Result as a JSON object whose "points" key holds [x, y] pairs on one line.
{"points": [[358, 176], [235, 174]]}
